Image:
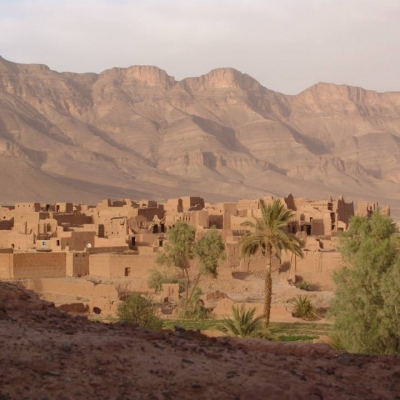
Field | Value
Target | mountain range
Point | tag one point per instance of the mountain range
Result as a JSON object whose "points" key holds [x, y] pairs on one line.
{"points": [[137, 132]]}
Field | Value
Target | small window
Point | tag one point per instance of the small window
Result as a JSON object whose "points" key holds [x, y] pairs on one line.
{"points": [[128, 271]]}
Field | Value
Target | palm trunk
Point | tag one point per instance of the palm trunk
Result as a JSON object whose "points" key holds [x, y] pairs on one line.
{"points": [[268, 288]]}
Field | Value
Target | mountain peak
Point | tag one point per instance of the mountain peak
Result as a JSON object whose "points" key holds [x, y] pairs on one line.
{"points": [[223, 78]]}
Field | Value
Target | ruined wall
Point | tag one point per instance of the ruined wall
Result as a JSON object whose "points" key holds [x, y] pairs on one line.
{"points": [[191, 201], [17, 241], [26, 222], [39, 265], [100, 297]]}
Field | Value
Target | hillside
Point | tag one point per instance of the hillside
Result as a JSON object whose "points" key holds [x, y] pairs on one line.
{"points": [[139, 133], [46, 354]]}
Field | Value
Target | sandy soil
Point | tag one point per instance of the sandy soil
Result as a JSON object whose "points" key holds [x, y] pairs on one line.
{"points": [[47, 354]]}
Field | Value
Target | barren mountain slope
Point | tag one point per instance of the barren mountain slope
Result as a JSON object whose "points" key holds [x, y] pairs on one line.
{"points": [[138, 132], [47, 354]]}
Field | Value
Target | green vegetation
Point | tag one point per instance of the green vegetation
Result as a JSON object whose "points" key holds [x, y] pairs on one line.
{"points": [[268, 236], [367, 302], [283, 331], [139, 310], [243, 324], [182, 247], [179, 250], [158, 278], [304, 308]]}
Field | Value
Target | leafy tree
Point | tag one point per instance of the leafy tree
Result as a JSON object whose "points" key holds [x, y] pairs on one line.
{"points": [[243, 324], [269, 236], [139, 310], [181, 247], [367, 301], [179, 250], [209, 251]]}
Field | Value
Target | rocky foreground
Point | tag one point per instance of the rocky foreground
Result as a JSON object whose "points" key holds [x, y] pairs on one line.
{"points": [[47, 354]]}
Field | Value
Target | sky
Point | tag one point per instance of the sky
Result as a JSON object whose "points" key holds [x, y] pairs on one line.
{"points": [[287, 45]]}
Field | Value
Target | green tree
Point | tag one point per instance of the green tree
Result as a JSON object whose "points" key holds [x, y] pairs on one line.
{"points": [[367, 300], [179, 250], [209, 251], [139, 310], [181, 247], [243, 324], [268, 235]]}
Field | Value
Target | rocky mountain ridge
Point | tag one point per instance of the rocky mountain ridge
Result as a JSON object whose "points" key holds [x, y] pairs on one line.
{"points": [[137, 132]]}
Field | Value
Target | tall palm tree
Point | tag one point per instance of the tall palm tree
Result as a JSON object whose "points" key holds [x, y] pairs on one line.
{"points": [[268, 235]]}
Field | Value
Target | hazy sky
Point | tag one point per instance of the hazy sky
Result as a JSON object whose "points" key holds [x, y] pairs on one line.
{"points": [[287, 45]]}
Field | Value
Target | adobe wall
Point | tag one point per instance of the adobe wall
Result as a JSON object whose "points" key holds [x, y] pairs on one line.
{"points": [[26, 222], [117, 265], [77, 264], [191, 201], [316, 267], [110, 242], [17, 241], [6, 270], [73, 219], [80, 240], [39, 265], [110, 249]]}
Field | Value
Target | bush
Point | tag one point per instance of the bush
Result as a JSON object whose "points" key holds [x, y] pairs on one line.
{"points": [[305, 285], [304, 308], [139, 310], [158, 278], [195, 309]]}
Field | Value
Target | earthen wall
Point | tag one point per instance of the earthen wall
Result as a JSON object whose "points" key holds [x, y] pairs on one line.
{"points": [[39, 265]]}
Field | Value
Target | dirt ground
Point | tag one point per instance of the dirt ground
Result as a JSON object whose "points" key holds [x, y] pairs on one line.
{"points": [[47, 354]]}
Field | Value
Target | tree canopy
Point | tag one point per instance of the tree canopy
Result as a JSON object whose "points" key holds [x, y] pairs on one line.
{"points": [[181, 247], [367, 302]]}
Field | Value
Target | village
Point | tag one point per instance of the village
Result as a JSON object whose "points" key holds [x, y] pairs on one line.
{"points": [[87, 258]]}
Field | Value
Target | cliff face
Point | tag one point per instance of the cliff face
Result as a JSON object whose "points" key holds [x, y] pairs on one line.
{"points": [[138, 132]]}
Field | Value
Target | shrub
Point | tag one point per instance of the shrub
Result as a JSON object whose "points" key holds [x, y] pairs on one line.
{"points": [[304, 308], [158, 278], [305, 285], [195, 309], [244, 324], [139, 310]]}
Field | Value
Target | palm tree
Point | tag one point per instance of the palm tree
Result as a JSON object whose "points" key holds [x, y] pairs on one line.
{"points": [[268, 235], [243, 324]]}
